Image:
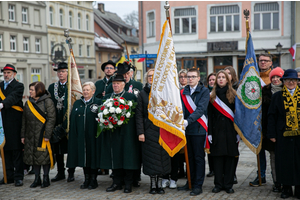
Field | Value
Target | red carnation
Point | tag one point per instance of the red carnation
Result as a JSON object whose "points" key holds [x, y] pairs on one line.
{"points": [[102, 108], [116, 103], [106, 123], [121, 97], [114, 122], [111, 119], [122, 118], [126, 107], [121, 107], [115, 99]]}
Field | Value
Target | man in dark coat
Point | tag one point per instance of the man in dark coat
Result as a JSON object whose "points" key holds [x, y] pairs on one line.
{"points": [[120, 150], [57, 91], [195, 133], [11, 107], [283, 130], [109, 69]]}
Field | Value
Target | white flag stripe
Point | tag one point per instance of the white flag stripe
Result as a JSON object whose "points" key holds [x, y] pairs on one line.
{"points": [[224, 106]]}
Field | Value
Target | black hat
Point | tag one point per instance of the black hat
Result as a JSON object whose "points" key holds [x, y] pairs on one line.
{"points": [[118, 77], [61, 65], [9, 67], [290, 73], [123, 68], [108, 63]]}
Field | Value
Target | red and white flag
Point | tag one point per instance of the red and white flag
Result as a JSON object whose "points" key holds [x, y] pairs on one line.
{"points": [[292, 50]]}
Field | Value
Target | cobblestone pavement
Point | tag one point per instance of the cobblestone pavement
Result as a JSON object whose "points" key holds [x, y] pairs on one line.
{"points": [[246, 172]]}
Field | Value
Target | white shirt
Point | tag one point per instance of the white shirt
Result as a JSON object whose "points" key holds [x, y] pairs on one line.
{"points": [[62, 83], [87, 100], [193, 89], [291, 91]]}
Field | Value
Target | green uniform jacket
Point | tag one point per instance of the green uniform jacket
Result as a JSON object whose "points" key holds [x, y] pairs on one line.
{"points": [[82, 134], [120, 148], [102, 86], [131, 87]]}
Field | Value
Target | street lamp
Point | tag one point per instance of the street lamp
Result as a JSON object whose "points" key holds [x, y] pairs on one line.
{"points": [[279, 48]]}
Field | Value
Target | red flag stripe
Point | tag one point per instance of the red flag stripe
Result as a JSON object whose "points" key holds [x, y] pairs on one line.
{"points": [[223, 108]]}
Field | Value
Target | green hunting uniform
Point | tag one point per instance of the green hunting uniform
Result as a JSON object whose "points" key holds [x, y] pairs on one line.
{"points": [[131, 87], [102, 86]]}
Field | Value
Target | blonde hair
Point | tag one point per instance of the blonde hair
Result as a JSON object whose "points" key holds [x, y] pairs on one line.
{"points": [[91, 84], [230, 94], [146, 76]]}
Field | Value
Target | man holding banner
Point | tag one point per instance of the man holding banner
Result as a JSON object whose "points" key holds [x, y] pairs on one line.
{"points": [[11, 106], [195, 98]]}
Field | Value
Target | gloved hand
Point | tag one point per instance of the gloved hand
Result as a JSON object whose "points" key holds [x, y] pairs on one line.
{"points": [[209, 138], [238, 138], [185, 123]]}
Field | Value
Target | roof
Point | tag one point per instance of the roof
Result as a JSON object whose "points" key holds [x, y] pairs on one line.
{"points": [[103, 42]]}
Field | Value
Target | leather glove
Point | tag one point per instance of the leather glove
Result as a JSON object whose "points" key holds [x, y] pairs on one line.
{"points": [[238, 138], [209, 138], [185, 123]]}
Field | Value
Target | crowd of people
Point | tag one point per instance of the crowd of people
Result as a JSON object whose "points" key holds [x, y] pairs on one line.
{"points": [[36, 134]]}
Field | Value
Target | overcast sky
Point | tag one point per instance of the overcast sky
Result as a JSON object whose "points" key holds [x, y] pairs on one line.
{"points": [[120, 7]]}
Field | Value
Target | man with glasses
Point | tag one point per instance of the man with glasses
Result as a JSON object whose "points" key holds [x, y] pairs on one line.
{"points": [[194, 131], [109, 69], [57, 91]]}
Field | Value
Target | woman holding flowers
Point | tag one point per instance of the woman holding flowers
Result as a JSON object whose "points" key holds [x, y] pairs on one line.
{"points": [[82, 135], [156, 161], [118, 144]]}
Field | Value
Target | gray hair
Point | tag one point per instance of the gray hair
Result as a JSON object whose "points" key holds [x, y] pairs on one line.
{"points": [[146, 76], [298, 69], [91, 84]]}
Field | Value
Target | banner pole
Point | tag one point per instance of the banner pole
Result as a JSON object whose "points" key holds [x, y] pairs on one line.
{"points": [[3, 165]]}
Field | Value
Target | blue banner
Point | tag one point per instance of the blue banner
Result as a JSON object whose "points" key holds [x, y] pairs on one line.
{"points": [[247, 119]]}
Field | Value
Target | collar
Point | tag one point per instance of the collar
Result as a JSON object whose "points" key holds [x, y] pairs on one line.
{"points": [[62, 83], [192, 89], [87, 100], [291, 91], [9, 81]]}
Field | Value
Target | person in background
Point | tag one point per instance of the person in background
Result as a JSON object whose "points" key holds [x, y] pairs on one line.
{"points": [[298, 72], [182, 75], [221, 133], [39, 103]]}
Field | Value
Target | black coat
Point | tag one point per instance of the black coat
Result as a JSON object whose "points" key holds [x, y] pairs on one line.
{"points": [[222, 130], [101, 86], [287, 149], [156, 161], [11, 118]]}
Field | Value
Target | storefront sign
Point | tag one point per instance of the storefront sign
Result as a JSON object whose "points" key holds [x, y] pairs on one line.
{"points": [[222, 46]]}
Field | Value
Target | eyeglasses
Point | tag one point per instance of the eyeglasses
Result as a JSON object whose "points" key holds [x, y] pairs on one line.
{"points": [[192, 77], [289, 80], [264, 60], [182, 76], [109, 68], [149, 76]]}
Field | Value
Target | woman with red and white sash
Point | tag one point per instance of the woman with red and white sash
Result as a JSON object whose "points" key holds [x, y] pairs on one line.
{"points": [[221, 132]]}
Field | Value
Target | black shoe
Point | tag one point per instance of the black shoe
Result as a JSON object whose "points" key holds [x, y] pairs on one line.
{"points": [[196, 191], [127, 189], [235, 180], [86, 182], [58, 177], [255, 183], [230, 191], [152, 185], [277, 187], [136, 184], [37, 182], [216, 190], [184, 188], [286, 192], [8, 181], [93, 183], [113, 188], [71, 177], [46, 181], [152, 191], [210, 174], [18, 183]]}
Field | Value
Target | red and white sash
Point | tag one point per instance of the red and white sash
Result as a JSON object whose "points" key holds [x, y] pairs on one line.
{"points": [[223, 108]]}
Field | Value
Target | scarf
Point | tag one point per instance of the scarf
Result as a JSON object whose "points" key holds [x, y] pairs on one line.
{"points": [[276, 88], [265, 76], [292, 111]]}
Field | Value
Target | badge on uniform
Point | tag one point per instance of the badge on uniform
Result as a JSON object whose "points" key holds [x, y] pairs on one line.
{"points": [[136, 92], [94, 108]]}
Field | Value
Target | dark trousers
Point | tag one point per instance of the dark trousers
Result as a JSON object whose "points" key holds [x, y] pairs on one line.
{"points": [[210, 162], [196, 155], [123, 174], [88, 170], [61, 165], [174, 168], [224, 171], [14, 164]]}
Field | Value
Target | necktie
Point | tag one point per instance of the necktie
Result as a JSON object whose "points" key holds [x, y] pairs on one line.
{"points": [[5, 85]]}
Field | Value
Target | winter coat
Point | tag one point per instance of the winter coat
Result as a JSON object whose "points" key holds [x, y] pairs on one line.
{"points": [[101, 86], [131, 87], [11, 118], [82, 134], [201, 99], [287, 149], [119, 149], [156, 161], [31, 130], [221, 128]]}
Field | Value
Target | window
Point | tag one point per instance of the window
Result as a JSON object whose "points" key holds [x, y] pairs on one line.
{"points": [[99, 57], [35, 75], [81, 73], [24, 15], [38, 45], [266, 16], [0, 42], [88, 50], [13, 43], [87, 22], [80, 50], [128, 32], [91, 73], [11, 12], [185, 20], [79, 21], [52, 45], [224, 18], [26, 44], [51, 15], [151, 24], [70, 19], [61, 17]]}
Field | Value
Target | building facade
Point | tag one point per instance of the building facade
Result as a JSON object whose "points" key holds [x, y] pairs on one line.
{"points": [[23, 41], [211, 35], [77, 16]]}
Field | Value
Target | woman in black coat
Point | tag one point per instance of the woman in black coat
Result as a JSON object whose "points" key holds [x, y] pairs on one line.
{"points": [[222, 135], [156, 161]]}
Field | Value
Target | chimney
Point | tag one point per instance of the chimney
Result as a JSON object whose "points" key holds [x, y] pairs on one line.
{"points": [[101, 7]]}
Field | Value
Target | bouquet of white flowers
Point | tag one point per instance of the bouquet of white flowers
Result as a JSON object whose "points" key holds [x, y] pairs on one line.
{"points": [[113, 113]]}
